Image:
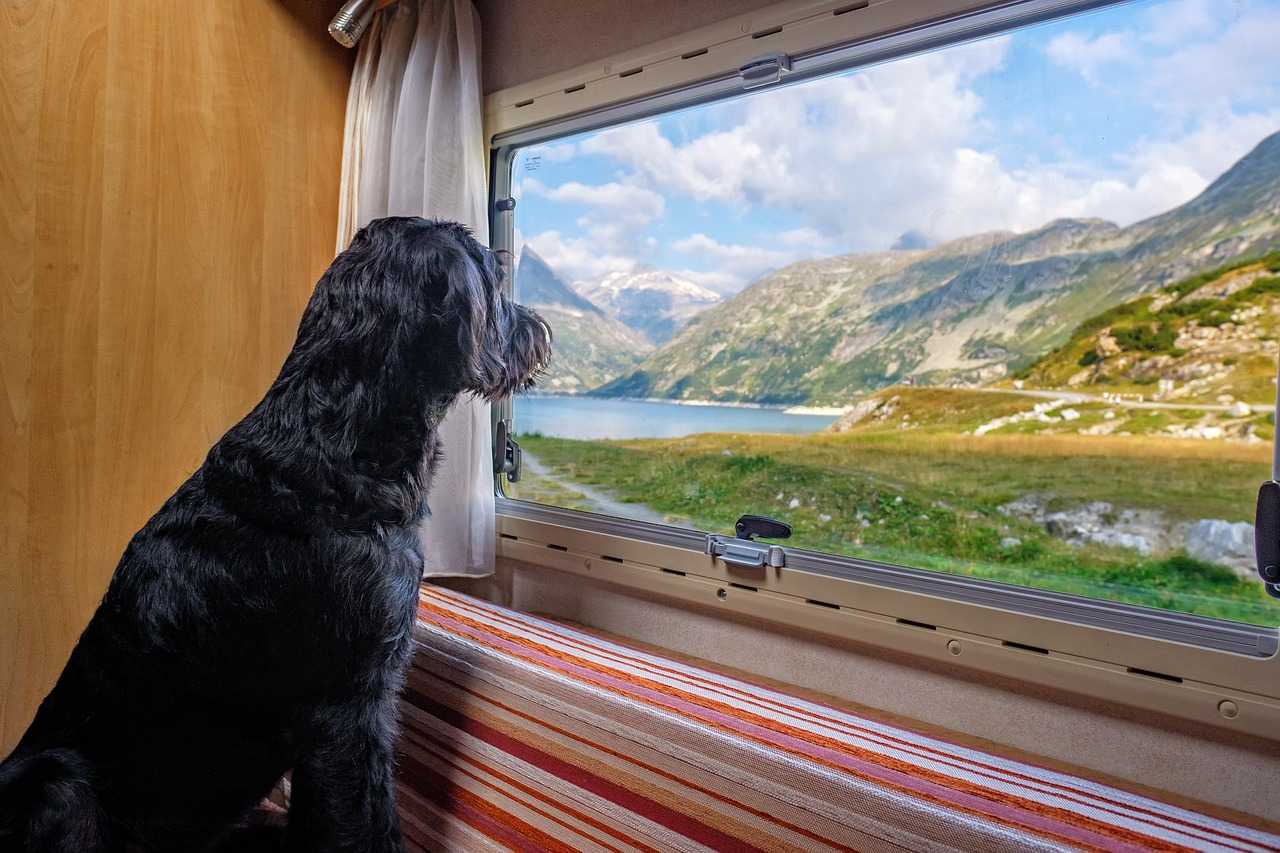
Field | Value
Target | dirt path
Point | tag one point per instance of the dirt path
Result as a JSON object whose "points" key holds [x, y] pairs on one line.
{"points": [[598, 501]]}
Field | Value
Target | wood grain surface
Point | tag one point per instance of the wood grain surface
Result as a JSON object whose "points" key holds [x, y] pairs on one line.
{"points": [[168, 197]]}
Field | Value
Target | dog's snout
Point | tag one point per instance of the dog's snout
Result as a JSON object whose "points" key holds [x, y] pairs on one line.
{"points": [[528, 349]]}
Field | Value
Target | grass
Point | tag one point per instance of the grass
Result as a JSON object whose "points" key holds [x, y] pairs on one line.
{"points": [[930, 499]]}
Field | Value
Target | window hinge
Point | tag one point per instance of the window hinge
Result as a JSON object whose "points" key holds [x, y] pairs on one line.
{"points": [[504, 205], [765, 70], [743, 550], [506, 453]]}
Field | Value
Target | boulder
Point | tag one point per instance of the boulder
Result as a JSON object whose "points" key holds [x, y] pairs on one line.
{"points": [[1225, 543], [1106, 345], [1240, 409], [858, 412]]}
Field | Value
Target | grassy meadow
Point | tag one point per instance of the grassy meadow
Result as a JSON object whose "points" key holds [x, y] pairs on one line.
{"points": [[929, 497]]}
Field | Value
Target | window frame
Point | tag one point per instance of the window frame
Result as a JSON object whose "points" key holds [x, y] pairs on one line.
{"points": [[1167, 661]]}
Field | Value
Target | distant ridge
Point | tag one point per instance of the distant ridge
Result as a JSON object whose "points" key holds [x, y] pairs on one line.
{"points": [[966, 312]]}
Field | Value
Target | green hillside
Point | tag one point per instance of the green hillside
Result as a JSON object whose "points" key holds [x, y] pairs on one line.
{"points": [[1202, 339]]}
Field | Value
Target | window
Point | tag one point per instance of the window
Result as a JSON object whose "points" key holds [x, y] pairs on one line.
{"points": [[1008, 309]]}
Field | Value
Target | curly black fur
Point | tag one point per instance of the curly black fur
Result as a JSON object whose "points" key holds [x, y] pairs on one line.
{"points": [[260, 621]]}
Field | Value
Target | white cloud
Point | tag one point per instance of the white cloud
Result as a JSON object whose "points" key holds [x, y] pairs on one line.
{"points": [[743, 261], [841, 151], [1178, 21], [1087, 56], [804, 237], [1220, 69], [621, 202], [579, 258]]}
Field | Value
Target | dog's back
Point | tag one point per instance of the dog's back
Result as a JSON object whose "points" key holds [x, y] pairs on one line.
{"points": [[167, 723]]}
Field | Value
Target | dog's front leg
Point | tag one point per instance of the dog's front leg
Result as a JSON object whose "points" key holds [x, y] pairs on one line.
{"points": [[343, 798]]}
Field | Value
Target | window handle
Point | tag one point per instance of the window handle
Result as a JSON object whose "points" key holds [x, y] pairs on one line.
{"points": [[506, 453], [1266, 537], [751, 526]]}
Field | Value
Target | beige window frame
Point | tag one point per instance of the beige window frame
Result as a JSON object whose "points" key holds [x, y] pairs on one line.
{"points": [[1208, 670]]}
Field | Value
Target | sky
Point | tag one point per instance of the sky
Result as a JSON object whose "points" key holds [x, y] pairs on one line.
{"points": [[1119, 114]]}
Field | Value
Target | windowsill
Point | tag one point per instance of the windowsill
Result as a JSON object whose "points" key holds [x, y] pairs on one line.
{"points": [[1155, 673]]}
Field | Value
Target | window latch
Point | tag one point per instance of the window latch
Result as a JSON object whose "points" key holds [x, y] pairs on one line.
{"points": [[1266, 537], [765, 70], [743, 550], [506, 453]]}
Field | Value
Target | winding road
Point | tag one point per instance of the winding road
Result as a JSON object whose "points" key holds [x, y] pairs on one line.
{"points": [[1077, 397]]}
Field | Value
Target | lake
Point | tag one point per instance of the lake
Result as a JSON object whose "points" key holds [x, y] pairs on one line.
{"points": [[596, 417]]}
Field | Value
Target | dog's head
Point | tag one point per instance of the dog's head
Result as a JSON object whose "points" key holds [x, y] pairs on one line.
{"points": [[426, 293]]}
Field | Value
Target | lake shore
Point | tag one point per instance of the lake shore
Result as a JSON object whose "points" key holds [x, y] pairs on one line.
{"points": [[824, 411]]}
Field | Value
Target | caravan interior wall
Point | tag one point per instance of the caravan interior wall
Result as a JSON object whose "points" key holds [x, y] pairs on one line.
{"points": [[168, 192]]}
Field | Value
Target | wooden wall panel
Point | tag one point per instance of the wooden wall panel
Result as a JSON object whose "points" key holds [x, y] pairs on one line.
{"points": [[168, 193]]}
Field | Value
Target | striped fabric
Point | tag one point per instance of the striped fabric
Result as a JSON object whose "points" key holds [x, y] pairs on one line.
{"points": [[524, 734]]}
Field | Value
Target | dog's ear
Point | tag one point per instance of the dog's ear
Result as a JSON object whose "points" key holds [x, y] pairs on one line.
{"points": [[481, 318]]}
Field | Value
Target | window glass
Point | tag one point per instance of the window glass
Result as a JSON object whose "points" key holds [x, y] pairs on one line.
{"points": [[1007, 309]]}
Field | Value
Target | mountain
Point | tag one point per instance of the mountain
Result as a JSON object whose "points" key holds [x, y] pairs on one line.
{"points": [[655, 303], [590, 346], [965, 312]]}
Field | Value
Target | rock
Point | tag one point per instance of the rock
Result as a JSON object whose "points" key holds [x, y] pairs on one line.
{"points": [[726, 452], [1097, 523], [1240, 409], [1010, 542], [823, 517], [1080, 377], [1070, 415], [897, 500], [1106, 346], [795, 504], [1108, 415], [858, 412], [1225, 543]]}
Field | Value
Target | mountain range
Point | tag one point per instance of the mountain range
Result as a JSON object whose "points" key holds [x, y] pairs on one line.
{"points": [[606, 326], [966, 312], [653, 302]]}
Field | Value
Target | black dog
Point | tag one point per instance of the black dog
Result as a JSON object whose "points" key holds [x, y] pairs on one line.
{"points": [[260, 621]]}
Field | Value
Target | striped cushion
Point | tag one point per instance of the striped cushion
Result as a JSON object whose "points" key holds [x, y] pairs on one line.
{"points": [[521, 733]]}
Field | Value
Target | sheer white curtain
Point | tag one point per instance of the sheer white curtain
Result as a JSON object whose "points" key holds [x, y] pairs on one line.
{"points": [[415, 147]]}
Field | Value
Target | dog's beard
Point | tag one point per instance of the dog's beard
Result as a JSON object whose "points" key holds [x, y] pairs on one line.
{"points": [[526, 353]]}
